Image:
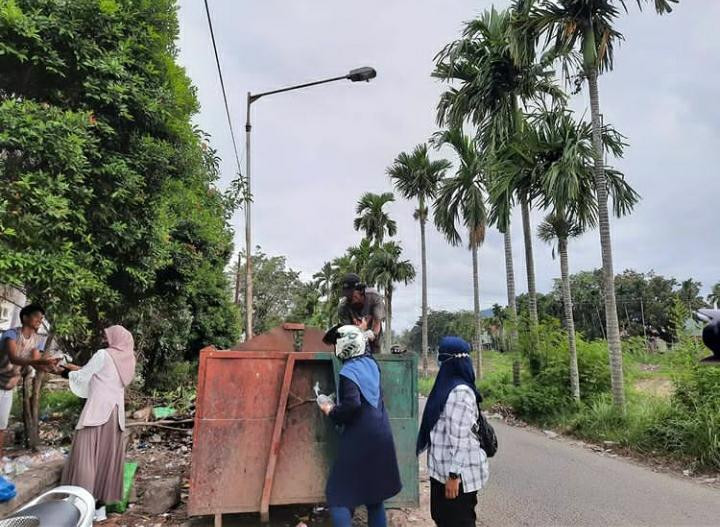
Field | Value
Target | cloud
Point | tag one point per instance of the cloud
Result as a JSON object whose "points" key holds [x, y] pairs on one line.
{"points": [[315, 151]]}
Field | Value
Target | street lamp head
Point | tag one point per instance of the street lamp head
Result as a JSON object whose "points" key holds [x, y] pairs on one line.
{"points": [[362, 74]]}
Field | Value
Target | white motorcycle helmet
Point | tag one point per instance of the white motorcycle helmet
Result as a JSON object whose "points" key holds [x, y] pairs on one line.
{"points": [[350, 343]]}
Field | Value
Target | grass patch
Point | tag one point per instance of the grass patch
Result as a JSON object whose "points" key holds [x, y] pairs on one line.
{"points": [[60, 402]]}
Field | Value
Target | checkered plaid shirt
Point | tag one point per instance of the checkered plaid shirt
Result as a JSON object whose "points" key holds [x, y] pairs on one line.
{"points": [[454, 447]]}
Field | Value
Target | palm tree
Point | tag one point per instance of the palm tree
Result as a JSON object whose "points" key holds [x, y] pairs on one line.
{"points": [[492, 85], [563, 153], [372, 218], [514, 182], [387, 269], [461, 200], [589, 26], [557, 226], [324, 279], [714, 296], [359, 257], [415, 176]]}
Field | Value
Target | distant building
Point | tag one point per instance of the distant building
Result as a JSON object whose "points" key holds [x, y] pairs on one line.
{"points": [[11, 302]]}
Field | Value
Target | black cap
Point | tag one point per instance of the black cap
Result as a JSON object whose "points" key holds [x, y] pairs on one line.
{"points": [[332, 335], [350, 282]]}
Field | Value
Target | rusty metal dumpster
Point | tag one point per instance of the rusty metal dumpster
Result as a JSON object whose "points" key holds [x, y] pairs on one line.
{"points": [[259, 438]]}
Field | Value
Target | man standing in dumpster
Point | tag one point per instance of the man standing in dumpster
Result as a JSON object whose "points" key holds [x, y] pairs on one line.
{"points": [[363, 307]]}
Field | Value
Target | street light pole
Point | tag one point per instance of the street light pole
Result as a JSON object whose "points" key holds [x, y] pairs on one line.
{"points": [[248, 230], [356, 75]]}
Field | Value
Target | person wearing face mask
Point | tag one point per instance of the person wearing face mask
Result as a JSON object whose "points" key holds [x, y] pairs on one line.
{"points": [[457, 464], [97, 457], [365, 471]]}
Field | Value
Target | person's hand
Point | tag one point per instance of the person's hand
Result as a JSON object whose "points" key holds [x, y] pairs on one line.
{"points": [[326, 408], [47, 364], [452, 488], [362, 323]]}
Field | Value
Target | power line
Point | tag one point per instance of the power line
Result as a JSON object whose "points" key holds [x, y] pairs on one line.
{"points": [[222, 86]]}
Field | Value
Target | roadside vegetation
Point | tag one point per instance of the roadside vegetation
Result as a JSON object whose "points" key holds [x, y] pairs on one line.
{"points": [[673, 401]]}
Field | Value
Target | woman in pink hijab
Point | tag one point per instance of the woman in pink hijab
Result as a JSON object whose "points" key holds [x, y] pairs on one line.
{"points": [[98, 454]]}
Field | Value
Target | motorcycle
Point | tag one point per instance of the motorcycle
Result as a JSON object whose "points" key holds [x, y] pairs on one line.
{"points": [[65, 506], [711, 332]]}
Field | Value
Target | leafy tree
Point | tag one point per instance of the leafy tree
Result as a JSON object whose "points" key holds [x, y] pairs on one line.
{"points": [[689, 294], [441, 324], [108, 207], [645, 303], [372, 218], [415, 176], [386, 268], [279, 292], [461, 201], [590, 26]]}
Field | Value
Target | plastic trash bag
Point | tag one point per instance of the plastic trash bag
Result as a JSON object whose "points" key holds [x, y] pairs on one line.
{"points": [[322, 399], [7, 490]]}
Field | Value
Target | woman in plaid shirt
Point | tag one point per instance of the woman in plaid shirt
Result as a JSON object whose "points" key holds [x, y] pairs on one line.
{"points": [[457, 466]]}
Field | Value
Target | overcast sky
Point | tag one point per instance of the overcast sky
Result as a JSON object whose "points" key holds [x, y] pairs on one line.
{"points": [[316, 151]]}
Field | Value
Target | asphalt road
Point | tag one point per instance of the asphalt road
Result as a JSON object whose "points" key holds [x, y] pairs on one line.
{"points": [[539, 481]]}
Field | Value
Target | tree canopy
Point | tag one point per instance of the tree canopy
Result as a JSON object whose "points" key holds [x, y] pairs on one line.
{"points": [[108, 206]]}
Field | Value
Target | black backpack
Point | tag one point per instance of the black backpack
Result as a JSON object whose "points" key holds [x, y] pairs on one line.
{"points": [[485, 434]]}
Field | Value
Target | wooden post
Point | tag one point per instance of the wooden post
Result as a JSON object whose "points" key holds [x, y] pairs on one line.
{"points": [[642, 315], [218, 520]]}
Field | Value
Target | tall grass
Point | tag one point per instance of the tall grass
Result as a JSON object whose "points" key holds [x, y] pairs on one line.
{"points": [[685, 425]]}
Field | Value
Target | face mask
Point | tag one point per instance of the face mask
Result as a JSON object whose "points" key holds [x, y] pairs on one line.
{"points": [[442, 358]]}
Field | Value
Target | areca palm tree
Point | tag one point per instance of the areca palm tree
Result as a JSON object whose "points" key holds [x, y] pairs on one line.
{"points": [[372, 219], [386, 268], [360, 256], [563, 153], [415, 176], [461, 202], [324, 279], [492, 82], [558, 227], [589, 25]]}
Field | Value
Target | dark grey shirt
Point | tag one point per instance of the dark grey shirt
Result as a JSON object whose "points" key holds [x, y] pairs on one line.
{"points": [[373, 309]]}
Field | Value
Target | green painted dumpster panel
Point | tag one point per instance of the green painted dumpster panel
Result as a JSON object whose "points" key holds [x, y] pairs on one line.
{"points": [[400, 393]]}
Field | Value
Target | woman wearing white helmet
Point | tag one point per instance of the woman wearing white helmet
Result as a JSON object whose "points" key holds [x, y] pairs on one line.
{"points": [[365, 470]]}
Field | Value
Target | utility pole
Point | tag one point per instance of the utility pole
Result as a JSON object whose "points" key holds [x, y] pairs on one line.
{"points": [[237, 278], [642, 316]]}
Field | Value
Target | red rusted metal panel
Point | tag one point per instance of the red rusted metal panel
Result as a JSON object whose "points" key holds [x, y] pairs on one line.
{"points": [[259, 439]]}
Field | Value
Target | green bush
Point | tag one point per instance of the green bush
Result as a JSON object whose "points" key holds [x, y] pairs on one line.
{"points": [[540, 402], [64, 402], [692, 426], [545, 394], [176, 374]]}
